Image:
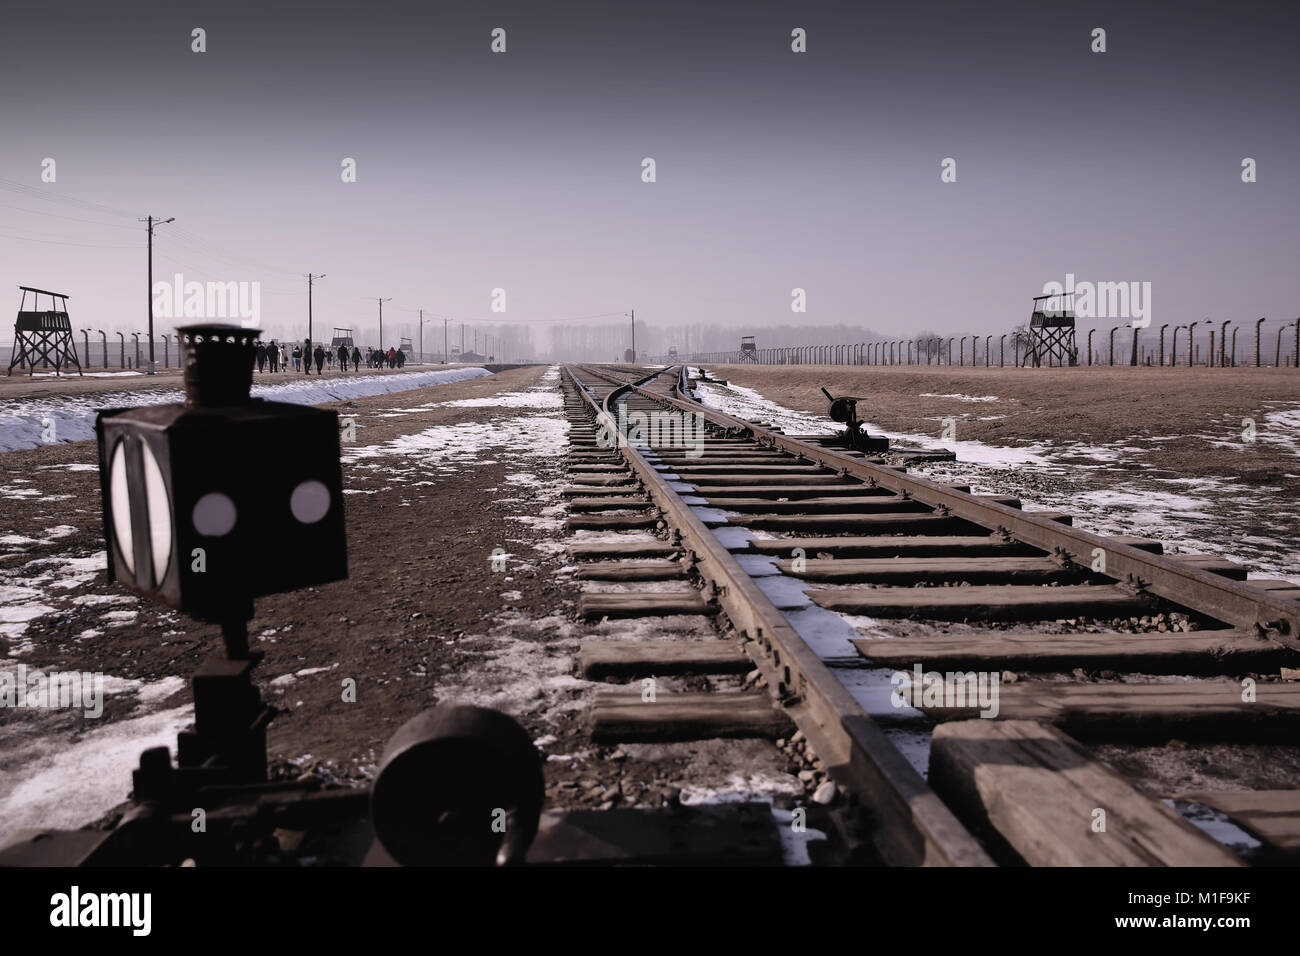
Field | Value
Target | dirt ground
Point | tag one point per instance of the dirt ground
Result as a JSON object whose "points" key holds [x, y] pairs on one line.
{"points": [[1094, 406], [421, 619], [419, 582]]}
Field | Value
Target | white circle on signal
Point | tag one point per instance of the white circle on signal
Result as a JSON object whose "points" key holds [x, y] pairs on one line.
{"points": [[213, 515], [160, 515], [119, 495], [310, 502]]}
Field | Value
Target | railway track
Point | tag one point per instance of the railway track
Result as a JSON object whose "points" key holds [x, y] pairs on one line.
{"points": [[965, 673]]}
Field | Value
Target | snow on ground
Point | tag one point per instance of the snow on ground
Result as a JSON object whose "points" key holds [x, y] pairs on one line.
{"points": [[86, 374], [24, 422], [960, 397], [441, 449], [1208, 515], [67, 786], [63, 766]]}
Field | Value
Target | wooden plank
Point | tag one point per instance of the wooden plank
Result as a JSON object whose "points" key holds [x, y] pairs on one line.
{"points": [[1011, 501], [583, 468], [1213, 564], [596, 605], [610, 503], [611, 522], [802, 478], [863, 504], [974, 570], [1196, 652], [626, 718], [1270, 816], [1037, 793], [1187, 710], [888, 546], [991, 602], [700, 461], [794, 490], [589, 550], [601, 479], [1276, 587], [894, 523], [631, 571], [580, 491], [1059, 517], [598, 659], [1142, 544], [731, 471]]}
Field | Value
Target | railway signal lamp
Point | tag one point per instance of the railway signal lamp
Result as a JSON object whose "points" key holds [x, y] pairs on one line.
{"points": [[196, 513], [845, 411], [198, 516]]}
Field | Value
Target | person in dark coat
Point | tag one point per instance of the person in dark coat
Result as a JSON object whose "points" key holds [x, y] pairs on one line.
{"points": [[401, 358], [273, 356], [261, 357], [356, 358], [319, 356], [306, 356], [343, 358]]}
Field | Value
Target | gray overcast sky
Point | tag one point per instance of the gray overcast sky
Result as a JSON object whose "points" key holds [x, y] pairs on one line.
{"points": [[775, 170]]}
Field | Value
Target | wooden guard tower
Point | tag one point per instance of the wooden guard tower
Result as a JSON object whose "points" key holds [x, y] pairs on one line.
{"points": [[748, 350], [1051, 331], [43, 336], [342, 337]]}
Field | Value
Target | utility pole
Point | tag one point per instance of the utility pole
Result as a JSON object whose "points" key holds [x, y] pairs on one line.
{"points": [[381, 321], [310, 277], [151, 223], [446, 356], [633, 315], [422, 336]]}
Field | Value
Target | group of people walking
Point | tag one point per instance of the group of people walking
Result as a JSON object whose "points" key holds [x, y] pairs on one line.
{"points": [[275, 357]]}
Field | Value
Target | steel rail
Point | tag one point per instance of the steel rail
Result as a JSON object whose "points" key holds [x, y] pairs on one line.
{"points": [[908, 823], [1235, 603]]}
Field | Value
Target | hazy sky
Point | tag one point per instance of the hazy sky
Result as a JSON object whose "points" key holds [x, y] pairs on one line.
{"points": [[775, 170]]}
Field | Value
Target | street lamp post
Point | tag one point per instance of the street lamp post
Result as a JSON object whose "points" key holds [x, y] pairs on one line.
{"points": [[103, 338], [122, 346], [1162, 343], [381, 320], [151, 223], [310, 279], [1112, 344], [1191, 342]]}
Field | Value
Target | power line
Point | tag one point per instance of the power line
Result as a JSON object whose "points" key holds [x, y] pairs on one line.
{"points": [[45, 195], [61, 242], [55, 215]]}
